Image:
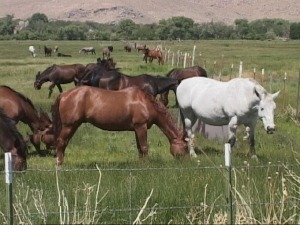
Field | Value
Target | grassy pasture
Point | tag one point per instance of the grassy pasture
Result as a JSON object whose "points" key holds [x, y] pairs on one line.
{"points": [[126, 181]]}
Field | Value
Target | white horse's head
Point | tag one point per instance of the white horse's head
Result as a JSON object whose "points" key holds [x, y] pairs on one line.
{"points": [[266, 110]]}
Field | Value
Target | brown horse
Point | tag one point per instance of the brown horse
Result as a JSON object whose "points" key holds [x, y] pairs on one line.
{"points": [[19, 108], [180, 74], [48, 51], [153, 54], [57, 75], [106, 52], [12, 141], [126, 110], [46, 136]]}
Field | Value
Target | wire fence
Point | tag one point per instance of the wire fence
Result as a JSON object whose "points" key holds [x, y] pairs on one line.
{"points": [[131, 203]]}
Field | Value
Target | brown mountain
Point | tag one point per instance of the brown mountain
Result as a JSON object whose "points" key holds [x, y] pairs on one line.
{"points": [[151, 11]]}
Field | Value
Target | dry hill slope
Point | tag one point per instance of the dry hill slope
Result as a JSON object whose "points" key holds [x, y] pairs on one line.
{"points": [[149, 11]]}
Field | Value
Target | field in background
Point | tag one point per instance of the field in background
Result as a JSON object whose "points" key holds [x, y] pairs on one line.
{"points": [[128, 180]]}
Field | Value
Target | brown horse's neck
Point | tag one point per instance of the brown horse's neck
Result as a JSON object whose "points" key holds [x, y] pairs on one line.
{"points": [[31, 117], [166, 123]]}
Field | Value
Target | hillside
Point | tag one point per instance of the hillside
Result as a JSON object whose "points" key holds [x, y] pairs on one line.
{"points": [[151, 11]]}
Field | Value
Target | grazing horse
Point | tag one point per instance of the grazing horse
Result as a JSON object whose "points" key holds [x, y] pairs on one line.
{"points": [[12, 141], [20, 108], [55, 48], [31, 49], [93, 71], [127, 48], [153, 54], [48, 51], [86, 50], [180, 74], [57, 75], [238, 101], [140, 47], [126, 110], [106, 52], [154, 85]]}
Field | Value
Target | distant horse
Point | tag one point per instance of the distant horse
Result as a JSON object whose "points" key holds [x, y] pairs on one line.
{"points": [[126, 110], [153, 54], [93, 72], [238, 101], [57, 75], [127, 48], [62, 55], [106, 52], [48, 51], [140, 47], [55, 48], [12, 141], [180, 74], [20, 108], [86, 50], [31, 49]]}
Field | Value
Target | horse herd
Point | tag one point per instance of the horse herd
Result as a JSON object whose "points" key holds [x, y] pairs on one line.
{"points": [[113, 101]]}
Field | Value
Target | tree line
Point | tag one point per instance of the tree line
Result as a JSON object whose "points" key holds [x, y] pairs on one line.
{"points": [[39, 27]]}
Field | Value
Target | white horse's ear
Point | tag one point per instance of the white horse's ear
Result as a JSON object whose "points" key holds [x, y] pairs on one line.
{"points": [[275, 95]]}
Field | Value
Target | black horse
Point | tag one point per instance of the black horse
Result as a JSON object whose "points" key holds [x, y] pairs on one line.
{"points": [[12, 141], [57, 75], [48, 51]]}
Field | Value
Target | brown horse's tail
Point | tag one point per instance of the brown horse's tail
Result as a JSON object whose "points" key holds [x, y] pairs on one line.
{"points": [[56, 117]]}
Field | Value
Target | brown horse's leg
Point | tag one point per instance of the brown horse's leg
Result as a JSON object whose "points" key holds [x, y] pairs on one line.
{"points": [[62, 141], [59, 88], [51, 89], [164, 98], [141, 139], [36, 142]]}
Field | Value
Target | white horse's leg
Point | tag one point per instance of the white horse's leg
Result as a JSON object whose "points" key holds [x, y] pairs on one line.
{"points": [[189, 129], [232, 127], [251, 140]]}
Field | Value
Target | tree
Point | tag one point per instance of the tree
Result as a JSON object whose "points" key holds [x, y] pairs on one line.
{"points": [[126, 28], [295, 31], [7, 25]]}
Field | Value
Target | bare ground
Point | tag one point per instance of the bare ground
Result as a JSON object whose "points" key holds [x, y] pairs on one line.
{"points": [[151, 11]]}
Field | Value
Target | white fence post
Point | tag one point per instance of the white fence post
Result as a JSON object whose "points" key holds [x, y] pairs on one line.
{"points": [[229, 181], [8, 181]]}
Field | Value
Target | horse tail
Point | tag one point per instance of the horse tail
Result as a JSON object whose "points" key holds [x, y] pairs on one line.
{"points": [[56, 117]]}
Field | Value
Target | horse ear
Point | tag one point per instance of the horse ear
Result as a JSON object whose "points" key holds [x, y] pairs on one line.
{"points": [[275, 95]]}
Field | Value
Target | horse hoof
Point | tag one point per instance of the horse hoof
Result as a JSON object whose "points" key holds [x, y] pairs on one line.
{"points": [[193, 155]]}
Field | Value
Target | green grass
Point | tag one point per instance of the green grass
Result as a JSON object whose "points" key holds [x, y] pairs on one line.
{"points": [[175, 183]]}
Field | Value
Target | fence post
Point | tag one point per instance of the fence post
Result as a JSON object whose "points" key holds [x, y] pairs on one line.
{"points": [[241, 69], [8, 181], [229, 181]]}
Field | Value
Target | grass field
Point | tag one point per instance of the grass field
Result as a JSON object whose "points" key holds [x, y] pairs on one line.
{"points": [[181, 188]]}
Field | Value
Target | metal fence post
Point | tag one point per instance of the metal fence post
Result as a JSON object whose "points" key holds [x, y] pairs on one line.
{"points": [[8, 181], [229, 181]]}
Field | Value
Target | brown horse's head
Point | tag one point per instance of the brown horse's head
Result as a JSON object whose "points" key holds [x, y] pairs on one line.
{"points": [[37, 84]]}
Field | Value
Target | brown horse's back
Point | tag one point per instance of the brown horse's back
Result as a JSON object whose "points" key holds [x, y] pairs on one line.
{"points": [[78, 106]]}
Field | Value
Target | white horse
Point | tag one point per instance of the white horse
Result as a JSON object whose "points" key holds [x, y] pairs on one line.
{"points": [[32, 51], [238, 101], [86, 50]]}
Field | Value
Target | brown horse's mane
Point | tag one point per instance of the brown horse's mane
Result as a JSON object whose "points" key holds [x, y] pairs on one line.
{"points": [[56, 121], [21, 96], [171, 71]]}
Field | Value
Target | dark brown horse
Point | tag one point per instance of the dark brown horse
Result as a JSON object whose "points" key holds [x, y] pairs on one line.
{"points": [[180, 74], [12, 141], [20, 108], [106, 52], [91, 74], [154, 85], [57, 75], [48, 51], [126, 110], [127, 48], [153, 54]]}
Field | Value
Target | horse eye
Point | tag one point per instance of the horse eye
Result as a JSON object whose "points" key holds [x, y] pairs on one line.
{"points": [[262, 109]]}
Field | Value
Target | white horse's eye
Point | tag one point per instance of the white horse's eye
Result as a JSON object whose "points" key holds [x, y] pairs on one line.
{"points": [[262, 109]]}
